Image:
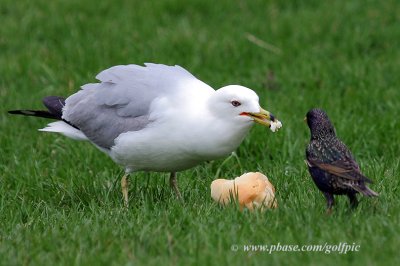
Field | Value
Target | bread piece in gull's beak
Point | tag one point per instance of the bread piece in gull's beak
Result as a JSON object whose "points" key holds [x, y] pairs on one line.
{"points": [[265, 118]]}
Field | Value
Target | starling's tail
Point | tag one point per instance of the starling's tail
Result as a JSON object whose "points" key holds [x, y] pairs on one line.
{"points": [[366, 191], [54, 106], [362, 188], [369, 192]]}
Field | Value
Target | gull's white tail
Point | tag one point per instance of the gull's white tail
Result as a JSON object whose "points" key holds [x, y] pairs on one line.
{"points": [[65, 129]]}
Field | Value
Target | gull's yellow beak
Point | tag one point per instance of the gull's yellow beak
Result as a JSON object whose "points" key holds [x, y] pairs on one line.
{"points": [[263, 117]]}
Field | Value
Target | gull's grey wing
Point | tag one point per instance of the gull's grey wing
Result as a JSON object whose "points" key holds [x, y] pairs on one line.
{"points": [[121, 101]]}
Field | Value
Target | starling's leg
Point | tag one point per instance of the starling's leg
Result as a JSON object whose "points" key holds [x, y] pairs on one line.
{"points": [[353, 200], [124, 186], [174, 185], [330, 201]]}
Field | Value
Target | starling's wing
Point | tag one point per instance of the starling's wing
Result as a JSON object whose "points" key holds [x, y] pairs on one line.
{"points": [[342, 168]]}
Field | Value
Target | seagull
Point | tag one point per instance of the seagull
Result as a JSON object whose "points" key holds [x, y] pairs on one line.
{"points": [[155, 118]]}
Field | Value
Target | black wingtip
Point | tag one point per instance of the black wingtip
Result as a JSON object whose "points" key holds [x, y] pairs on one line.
{"points": [[37, 113], [21, 112], [55, 105]]}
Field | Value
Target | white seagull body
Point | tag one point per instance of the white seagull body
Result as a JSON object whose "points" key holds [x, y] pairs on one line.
{"points": [[156, 117]]}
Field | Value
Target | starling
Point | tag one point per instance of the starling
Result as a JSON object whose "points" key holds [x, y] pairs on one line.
{"points": [[331, 164]]}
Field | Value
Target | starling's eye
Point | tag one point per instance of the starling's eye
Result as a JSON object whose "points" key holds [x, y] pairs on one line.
{"points": [[235, 103]]}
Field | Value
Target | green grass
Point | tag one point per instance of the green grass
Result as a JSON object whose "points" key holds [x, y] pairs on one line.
{"points": [[60, 201]]}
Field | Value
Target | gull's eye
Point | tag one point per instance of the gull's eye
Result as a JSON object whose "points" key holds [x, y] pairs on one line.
{"points": [[235, 103]]}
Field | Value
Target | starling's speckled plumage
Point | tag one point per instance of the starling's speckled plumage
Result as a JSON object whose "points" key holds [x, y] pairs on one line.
{"points": [[331, 164]]}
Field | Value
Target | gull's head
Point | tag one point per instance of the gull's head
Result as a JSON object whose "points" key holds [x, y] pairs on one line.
{"points": [[239, 104]]}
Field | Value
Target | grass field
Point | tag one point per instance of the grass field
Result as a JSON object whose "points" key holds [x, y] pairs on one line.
{"points": [[60, 200]]}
